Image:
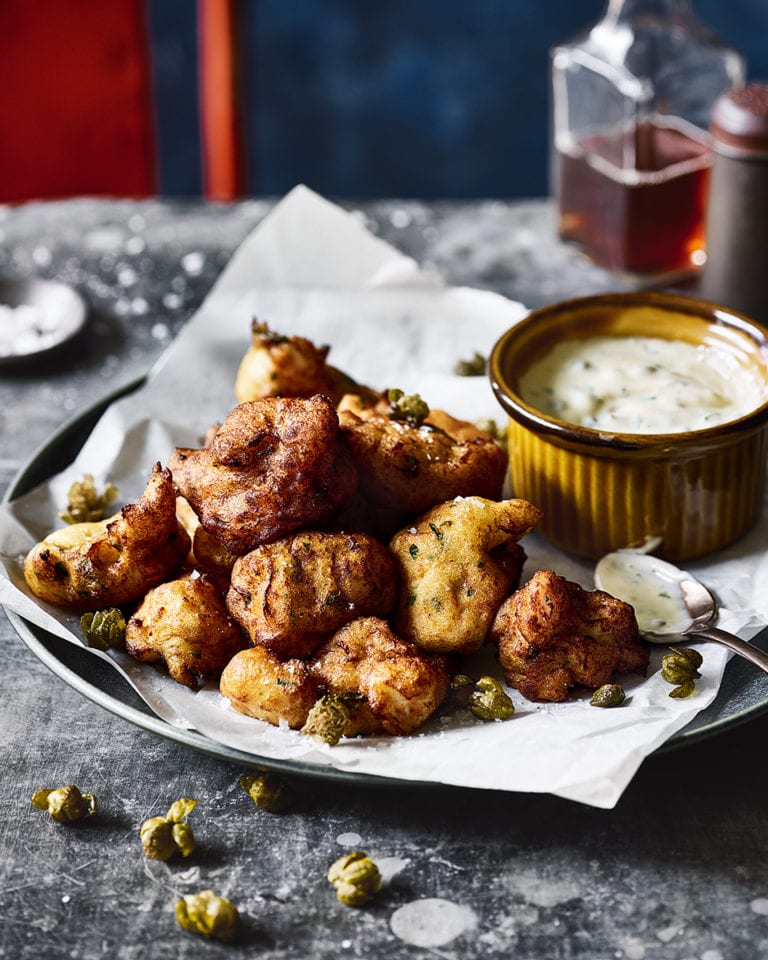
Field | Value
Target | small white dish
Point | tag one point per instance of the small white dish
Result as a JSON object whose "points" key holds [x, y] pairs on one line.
{"points": [[36, 317]]}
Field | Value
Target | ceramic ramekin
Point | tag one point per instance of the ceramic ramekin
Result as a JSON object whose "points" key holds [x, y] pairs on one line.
{"points": [[697, 491]]}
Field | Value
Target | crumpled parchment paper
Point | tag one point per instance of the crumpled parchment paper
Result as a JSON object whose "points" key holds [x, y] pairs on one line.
{"points": [[310, 268]]}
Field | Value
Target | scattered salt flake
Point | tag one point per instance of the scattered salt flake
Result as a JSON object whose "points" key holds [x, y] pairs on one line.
{"points": [[668, 933], [25, 329]]}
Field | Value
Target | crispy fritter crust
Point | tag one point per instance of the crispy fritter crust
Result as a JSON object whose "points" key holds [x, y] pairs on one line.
{"points": [[278, 366], [107, 564], [554, 635], [401, 684], [185, 624], [291, 594], [409, 469], [273, 466], [259, 685], [456, 565]]}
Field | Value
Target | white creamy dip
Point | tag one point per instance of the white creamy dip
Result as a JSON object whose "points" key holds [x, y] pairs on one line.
{"points": [[641, 385], [650, 585]]}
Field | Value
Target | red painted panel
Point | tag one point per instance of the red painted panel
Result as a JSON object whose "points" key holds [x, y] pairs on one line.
{"points": [[76, 113]]}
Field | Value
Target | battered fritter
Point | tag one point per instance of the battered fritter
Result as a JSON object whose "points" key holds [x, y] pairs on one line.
{"points": [[185, 624], [273, 466], [554, 635], [401, 685], [279, 366], [108, 563], [291, 594], [259, 685], [409, 468], [456, 565]]}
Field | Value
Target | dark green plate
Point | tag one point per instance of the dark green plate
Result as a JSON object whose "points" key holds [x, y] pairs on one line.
{"points": [[742, 696]]}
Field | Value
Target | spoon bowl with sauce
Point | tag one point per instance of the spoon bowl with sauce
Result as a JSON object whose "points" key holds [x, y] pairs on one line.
{"points": [[670, 605]]}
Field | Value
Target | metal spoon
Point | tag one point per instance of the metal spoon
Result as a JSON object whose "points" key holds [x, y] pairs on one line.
{"points": [[703, 610], [670, 605]]}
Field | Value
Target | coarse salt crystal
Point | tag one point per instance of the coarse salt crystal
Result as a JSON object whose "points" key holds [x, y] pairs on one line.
{"points": [[24, 329]]}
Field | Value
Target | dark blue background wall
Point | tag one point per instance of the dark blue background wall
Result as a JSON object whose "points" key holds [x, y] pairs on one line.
{"points": [[407, 98]]}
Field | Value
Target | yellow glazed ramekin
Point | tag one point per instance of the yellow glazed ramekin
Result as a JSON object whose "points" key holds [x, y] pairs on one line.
{"points": [[697, 490]]}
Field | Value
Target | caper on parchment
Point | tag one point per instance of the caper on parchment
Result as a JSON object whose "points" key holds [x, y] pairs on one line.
{"points": [[474, 367], [489, 702], [329, 716], [84, 502], [681, 667], [103, 629], [609, 695]]}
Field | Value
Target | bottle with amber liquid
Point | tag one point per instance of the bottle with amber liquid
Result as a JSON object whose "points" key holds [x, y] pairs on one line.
{"points": [[632, 99]]}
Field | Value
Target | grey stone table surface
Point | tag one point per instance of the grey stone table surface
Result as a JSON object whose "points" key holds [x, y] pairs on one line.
{"points": [[678, 870]]}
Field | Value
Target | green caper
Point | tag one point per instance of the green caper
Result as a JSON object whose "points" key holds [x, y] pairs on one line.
{"points": [[157, 840], [267, 790], [84, 503], [103, 629], [162, 837], [692, 656], [474, 367], [609, 695], [356, 877], [183, 838], [488, 701], [408, 407], [208, 914], [677, 668], [327, 719], [685, 690], [65, 804]]}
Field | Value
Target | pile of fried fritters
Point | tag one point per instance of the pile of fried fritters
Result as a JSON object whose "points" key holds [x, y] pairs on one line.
{"points": [[327, 539]]}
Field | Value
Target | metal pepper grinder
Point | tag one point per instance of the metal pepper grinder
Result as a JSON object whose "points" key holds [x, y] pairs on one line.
{"points": [[736, 270]]}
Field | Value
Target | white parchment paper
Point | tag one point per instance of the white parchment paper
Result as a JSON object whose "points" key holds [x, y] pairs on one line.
{"points": [[310, 268]]}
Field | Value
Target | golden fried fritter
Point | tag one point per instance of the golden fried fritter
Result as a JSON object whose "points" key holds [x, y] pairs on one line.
{"points": [[456, 565], [554, 635], [278, 366], [106, 564], [401, 684], [273, 466], [185, 624], [259, 685], [408, 468], [291, 594], [212, 557]]}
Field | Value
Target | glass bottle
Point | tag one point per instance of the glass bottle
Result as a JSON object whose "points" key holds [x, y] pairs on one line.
{"points": [[632, 101]]}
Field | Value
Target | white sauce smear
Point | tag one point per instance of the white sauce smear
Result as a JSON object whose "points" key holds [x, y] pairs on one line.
{"points": [[641, 385], [432, 922], [650, 585]]}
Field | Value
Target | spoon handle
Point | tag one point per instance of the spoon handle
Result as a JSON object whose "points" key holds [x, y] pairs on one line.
{"points": [[756, 656]]}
